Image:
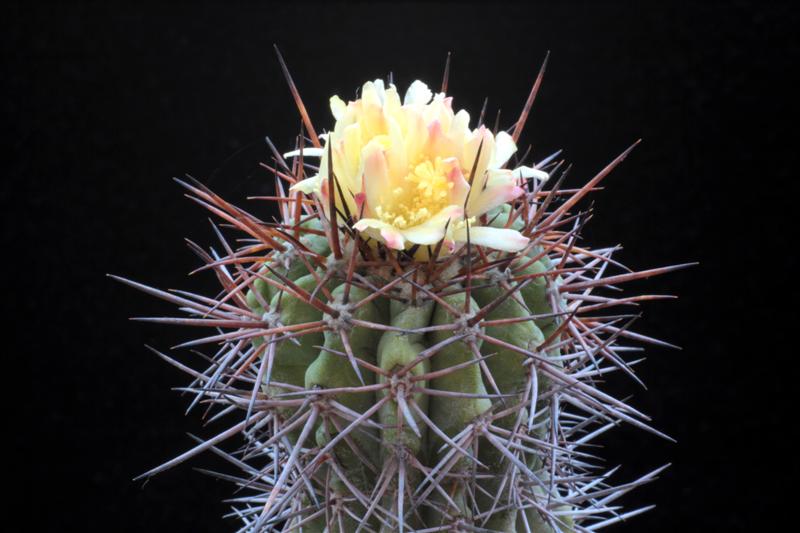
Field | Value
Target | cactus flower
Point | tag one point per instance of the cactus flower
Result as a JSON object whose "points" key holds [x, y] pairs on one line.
{"points": [[408, 169]]}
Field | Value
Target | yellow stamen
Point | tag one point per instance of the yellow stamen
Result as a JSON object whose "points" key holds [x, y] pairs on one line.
{"points": [[425, 192]]}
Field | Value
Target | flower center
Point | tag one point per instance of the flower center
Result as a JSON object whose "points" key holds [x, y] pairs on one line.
{"points": [[419, 195]]}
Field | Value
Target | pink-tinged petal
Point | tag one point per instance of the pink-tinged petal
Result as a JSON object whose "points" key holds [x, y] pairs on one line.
{"points": [[382, 231], [369, 223], [363, 208], [452, 169], [507, 240], [492, 196], [504, 148], [393, 238], [448, 102], [324, 191], [417, 93], [361, 200], [434, 129], [437, 110], [376, 173], [438, 143], [432, 230]]}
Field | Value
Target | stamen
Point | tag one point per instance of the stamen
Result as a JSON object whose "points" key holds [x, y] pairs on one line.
{"points": [[426, 192]]}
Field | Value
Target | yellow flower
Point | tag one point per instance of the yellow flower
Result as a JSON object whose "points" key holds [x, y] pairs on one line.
{"points": [[404, 168]]}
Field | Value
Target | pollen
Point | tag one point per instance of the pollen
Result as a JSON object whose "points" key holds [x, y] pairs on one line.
{"points": [[423, 192]]}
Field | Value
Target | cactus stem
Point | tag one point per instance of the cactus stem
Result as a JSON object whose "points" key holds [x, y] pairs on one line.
{"points": [[366, 364]]}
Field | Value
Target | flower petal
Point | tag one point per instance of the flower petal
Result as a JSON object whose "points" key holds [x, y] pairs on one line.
{"points": [[432, 230], [528, 172], [396, 151], [417, 93], [483, 140], [459, 128], [391, 103], [438, 142], [504, 148], [308, 185], [507, 240], [372, 93], [388, 233], [307, 152], [360, 200], [416, 134], [376, 181], [338, 107], [352, 144], [452, 169], [491, 197]]}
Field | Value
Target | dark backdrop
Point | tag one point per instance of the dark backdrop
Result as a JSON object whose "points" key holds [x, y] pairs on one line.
{"points": [[108, 103]]}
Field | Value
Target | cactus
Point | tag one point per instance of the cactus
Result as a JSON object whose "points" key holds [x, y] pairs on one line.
{"points": [[390, 379]]}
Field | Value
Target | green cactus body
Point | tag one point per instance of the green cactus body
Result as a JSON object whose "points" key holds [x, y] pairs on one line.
{"points": [[331, 370], [408, 410]]}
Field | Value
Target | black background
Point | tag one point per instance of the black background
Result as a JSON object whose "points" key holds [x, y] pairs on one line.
{"points": [[108, 102]]}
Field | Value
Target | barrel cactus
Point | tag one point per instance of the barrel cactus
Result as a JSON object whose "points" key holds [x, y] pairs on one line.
{"points": [[415, 344]]}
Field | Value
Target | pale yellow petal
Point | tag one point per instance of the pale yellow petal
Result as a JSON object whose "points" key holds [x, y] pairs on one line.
{"points": [[369, 94], [391, 103], [308, 185], [504, 148], [416, 135], [338, 107], [459, 127], [351, 146], [377, 182], [433, 230], [480, 139], [342, 169], [395, 151], [507, 240]]}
